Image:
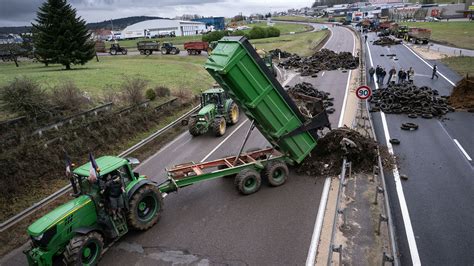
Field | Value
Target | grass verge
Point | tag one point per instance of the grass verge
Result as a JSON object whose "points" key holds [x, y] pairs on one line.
{"points": [[302, 44], [454, 33], [302, 19], [464, 65]]}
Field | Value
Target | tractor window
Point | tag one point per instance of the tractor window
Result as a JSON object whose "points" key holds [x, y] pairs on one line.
{"points": [[125, 174]]}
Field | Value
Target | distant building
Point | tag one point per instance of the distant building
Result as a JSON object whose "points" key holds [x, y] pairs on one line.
{"points": [[217, 23], [157, 27]]}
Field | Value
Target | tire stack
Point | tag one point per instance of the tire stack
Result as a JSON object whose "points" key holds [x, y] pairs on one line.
{"points": [[410, 99], [324, 59], [309, 90], [387, 41]]}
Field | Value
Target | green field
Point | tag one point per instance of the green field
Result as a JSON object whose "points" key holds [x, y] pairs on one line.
{"points": [[454, 33], [461, 64], [175, 72], [285, 28], [302, 44], [302, 19]]}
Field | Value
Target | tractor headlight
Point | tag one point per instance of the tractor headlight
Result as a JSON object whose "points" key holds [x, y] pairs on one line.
{"points": [[38, 238], [202, 119]]}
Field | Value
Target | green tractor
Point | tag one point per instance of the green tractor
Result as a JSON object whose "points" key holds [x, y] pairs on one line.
{"points": [[169, 48], [77, 231], [217, 111]]}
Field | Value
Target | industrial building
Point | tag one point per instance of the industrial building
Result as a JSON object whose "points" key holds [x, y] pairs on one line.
{"points": [[163, 27], [216, 23]]}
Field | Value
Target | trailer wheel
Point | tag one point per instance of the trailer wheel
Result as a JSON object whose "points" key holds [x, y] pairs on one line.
{"points": [[233, 113], [276, 172], [142, 52], [84, 249], [219, 126], [199, 52], [146, 206], [189, 52], [148, 52], [192, 127], [248, 181]]}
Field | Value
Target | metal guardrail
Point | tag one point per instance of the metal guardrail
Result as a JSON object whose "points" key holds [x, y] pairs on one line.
{"points": [[36, 206]]}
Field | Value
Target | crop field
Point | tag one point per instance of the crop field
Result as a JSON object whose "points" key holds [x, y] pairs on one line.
{"points": [[302, 44]]}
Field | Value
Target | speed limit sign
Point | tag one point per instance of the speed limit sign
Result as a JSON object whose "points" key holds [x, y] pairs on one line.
{"points": [[363, 92]]}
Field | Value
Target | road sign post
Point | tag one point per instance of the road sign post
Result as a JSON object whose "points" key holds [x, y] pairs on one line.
{"points": [[363, 92]]}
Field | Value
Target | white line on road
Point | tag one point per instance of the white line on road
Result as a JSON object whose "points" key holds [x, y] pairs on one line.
{"points": [[415, 257], [341, 117], [313, 248], [462, 150], [322, 75], [222, 142], [450, 82]]}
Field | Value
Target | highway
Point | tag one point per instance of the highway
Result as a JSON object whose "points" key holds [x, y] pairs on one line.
{"points": [[211, 222], [433, 210]]}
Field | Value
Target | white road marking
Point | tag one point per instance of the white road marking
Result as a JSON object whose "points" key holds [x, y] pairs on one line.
{"points": [[222, 142], [450, 82], [415, 257], [161, 150], [462, 150], [313, 248], [341, 117], [322, 75]]}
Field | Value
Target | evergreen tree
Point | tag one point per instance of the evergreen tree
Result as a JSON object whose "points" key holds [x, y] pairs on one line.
{"points": [[60, 36]]}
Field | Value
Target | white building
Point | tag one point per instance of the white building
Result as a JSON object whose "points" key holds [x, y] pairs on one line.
{"points": [[156, 27]]}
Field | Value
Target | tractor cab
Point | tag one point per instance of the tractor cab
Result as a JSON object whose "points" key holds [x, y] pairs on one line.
{"points": [[215, 96], [268, 60]]}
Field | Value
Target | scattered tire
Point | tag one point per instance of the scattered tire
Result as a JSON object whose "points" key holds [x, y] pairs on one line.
{"points": [[394, 141], [412, 115], [276, 172], [145, 209], [219, 126], [330, 110], [411, 125], [404, 177], [427, 116], [84, 249], [248, 181]]}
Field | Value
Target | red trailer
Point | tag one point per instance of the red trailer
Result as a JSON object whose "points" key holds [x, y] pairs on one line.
{"points": [[195, 48]]}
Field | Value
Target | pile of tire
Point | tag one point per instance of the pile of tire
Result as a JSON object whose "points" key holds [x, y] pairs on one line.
{"points": [[324, 59], [409, 99], [387, 41], [308, 89], [280, 53]]}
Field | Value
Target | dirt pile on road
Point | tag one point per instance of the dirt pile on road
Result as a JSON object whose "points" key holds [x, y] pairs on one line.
{"points": [[410, 99], [462, 96], [324, 59], [387, 41], [327, 157], [280, 53], [306, 97]]}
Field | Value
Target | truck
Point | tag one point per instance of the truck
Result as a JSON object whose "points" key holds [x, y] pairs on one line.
{"points": [[77, 231], [148, 47], [217, 111], [195, 48], [418, 35]]}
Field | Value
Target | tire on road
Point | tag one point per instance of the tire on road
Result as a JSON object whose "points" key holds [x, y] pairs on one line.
{"points": [[84, 249], [145, 209], [276, 172], [248, 181]]}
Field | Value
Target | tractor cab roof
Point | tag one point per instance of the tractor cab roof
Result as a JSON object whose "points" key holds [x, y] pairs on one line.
{"points": [[213, 90], [106, 165]]}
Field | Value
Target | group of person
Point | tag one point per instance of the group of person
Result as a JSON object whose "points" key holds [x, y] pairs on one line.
{"points": [[402, 75]]}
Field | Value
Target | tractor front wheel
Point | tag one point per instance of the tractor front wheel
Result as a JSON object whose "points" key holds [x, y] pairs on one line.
{"points": [[124, 51], [84, 249], [233, 113], [146, 206], [192, 127], [219, 126], [248, 181]]}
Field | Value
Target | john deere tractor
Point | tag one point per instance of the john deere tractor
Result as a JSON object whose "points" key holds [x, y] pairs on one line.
{"points": [[217, 111], [77, 231]]}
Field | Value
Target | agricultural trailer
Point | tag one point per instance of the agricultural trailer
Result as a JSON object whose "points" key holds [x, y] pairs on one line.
{"points": [[77, 231], [148, 47], [195, 48]]}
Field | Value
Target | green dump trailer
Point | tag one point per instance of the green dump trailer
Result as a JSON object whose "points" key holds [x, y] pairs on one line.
{"points": [[236, 66], [78, 231]]}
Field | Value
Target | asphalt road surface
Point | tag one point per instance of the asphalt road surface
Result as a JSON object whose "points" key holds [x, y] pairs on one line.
{"points": [[433, 210], [210, 222]]}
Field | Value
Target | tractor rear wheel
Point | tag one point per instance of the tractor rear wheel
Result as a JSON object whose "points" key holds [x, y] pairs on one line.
{"points": [[146, 206], [276, 173], [173, 50], [113, 52], [248, 181], [219, 126], [192, 128], [233, 113], [84, 249]]}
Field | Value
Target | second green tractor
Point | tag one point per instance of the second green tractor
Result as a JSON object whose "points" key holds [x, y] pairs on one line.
{"points": [[217, 111]]}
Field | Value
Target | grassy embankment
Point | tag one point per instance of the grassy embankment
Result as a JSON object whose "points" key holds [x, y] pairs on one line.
{"points": [[300, 18], [462, 64], [454, 33]]}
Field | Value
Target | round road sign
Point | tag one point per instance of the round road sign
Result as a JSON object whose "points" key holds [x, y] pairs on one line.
{"points": [[363, 92]]}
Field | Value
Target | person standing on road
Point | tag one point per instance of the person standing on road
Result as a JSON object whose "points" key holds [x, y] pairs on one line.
{"points": [[411, 75], [391, 73], [400, 74], [378, 69], [382, 76], [365, 37], [435, 69], [404, 76], [371, 74]]}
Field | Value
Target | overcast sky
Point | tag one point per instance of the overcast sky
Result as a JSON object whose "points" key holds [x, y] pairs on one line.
{"points": [[23, 12]]}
